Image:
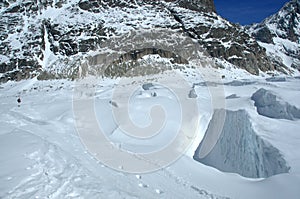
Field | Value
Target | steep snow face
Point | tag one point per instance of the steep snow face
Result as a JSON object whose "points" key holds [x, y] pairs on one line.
{"points": [[268, 104], [240, 150], [280, 35]]}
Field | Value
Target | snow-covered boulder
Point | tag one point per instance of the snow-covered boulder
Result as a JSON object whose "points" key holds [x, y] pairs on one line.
{"points": [[193, 94]]}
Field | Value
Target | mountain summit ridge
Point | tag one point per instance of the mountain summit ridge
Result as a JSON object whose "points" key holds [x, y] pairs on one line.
{"points": [[280, 35]]}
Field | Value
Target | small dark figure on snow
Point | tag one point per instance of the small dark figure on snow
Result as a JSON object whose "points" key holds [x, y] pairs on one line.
{"points": [[19, 100]]}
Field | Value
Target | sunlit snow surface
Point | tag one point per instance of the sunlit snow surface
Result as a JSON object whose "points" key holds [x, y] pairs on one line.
{"points": [[41, 154]]}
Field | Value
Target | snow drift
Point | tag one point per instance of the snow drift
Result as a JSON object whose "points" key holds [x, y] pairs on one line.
{"points": [[269, 105], [239, 149]]}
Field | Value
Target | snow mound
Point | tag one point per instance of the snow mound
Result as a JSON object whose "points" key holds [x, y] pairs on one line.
{"points": [[239, 149], [148, 86], [269, 105]]}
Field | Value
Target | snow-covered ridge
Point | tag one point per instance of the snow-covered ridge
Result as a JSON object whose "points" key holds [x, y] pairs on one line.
{"points": [[279, 34]]}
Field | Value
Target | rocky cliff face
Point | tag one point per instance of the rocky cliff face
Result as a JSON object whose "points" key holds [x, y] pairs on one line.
{"points": [[280, 35], [224, 40], [54, 35], [198, 5]]}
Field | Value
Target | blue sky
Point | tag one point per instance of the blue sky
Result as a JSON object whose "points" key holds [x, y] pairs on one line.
{"points": [[247, 12]]}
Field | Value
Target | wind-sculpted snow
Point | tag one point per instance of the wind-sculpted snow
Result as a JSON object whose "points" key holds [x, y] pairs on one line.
{"points": [[240, 150], [269, 105]]}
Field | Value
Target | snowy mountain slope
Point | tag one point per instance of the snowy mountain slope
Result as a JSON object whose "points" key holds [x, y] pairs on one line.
{"points": [[280, 35], [55, 35]]}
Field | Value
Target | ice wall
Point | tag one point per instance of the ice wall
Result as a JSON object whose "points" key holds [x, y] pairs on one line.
{"points": [[240, 150], [269, 105]]}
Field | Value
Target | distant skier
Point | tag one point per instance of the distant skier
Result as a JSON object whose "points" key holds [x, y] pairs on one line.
{"points": [[19, 101]]}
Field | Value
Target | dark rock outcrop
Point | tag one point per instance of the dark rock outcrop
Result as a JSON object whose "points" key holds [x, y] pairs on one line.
{"points": [[198, 5], [226, 41]]}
